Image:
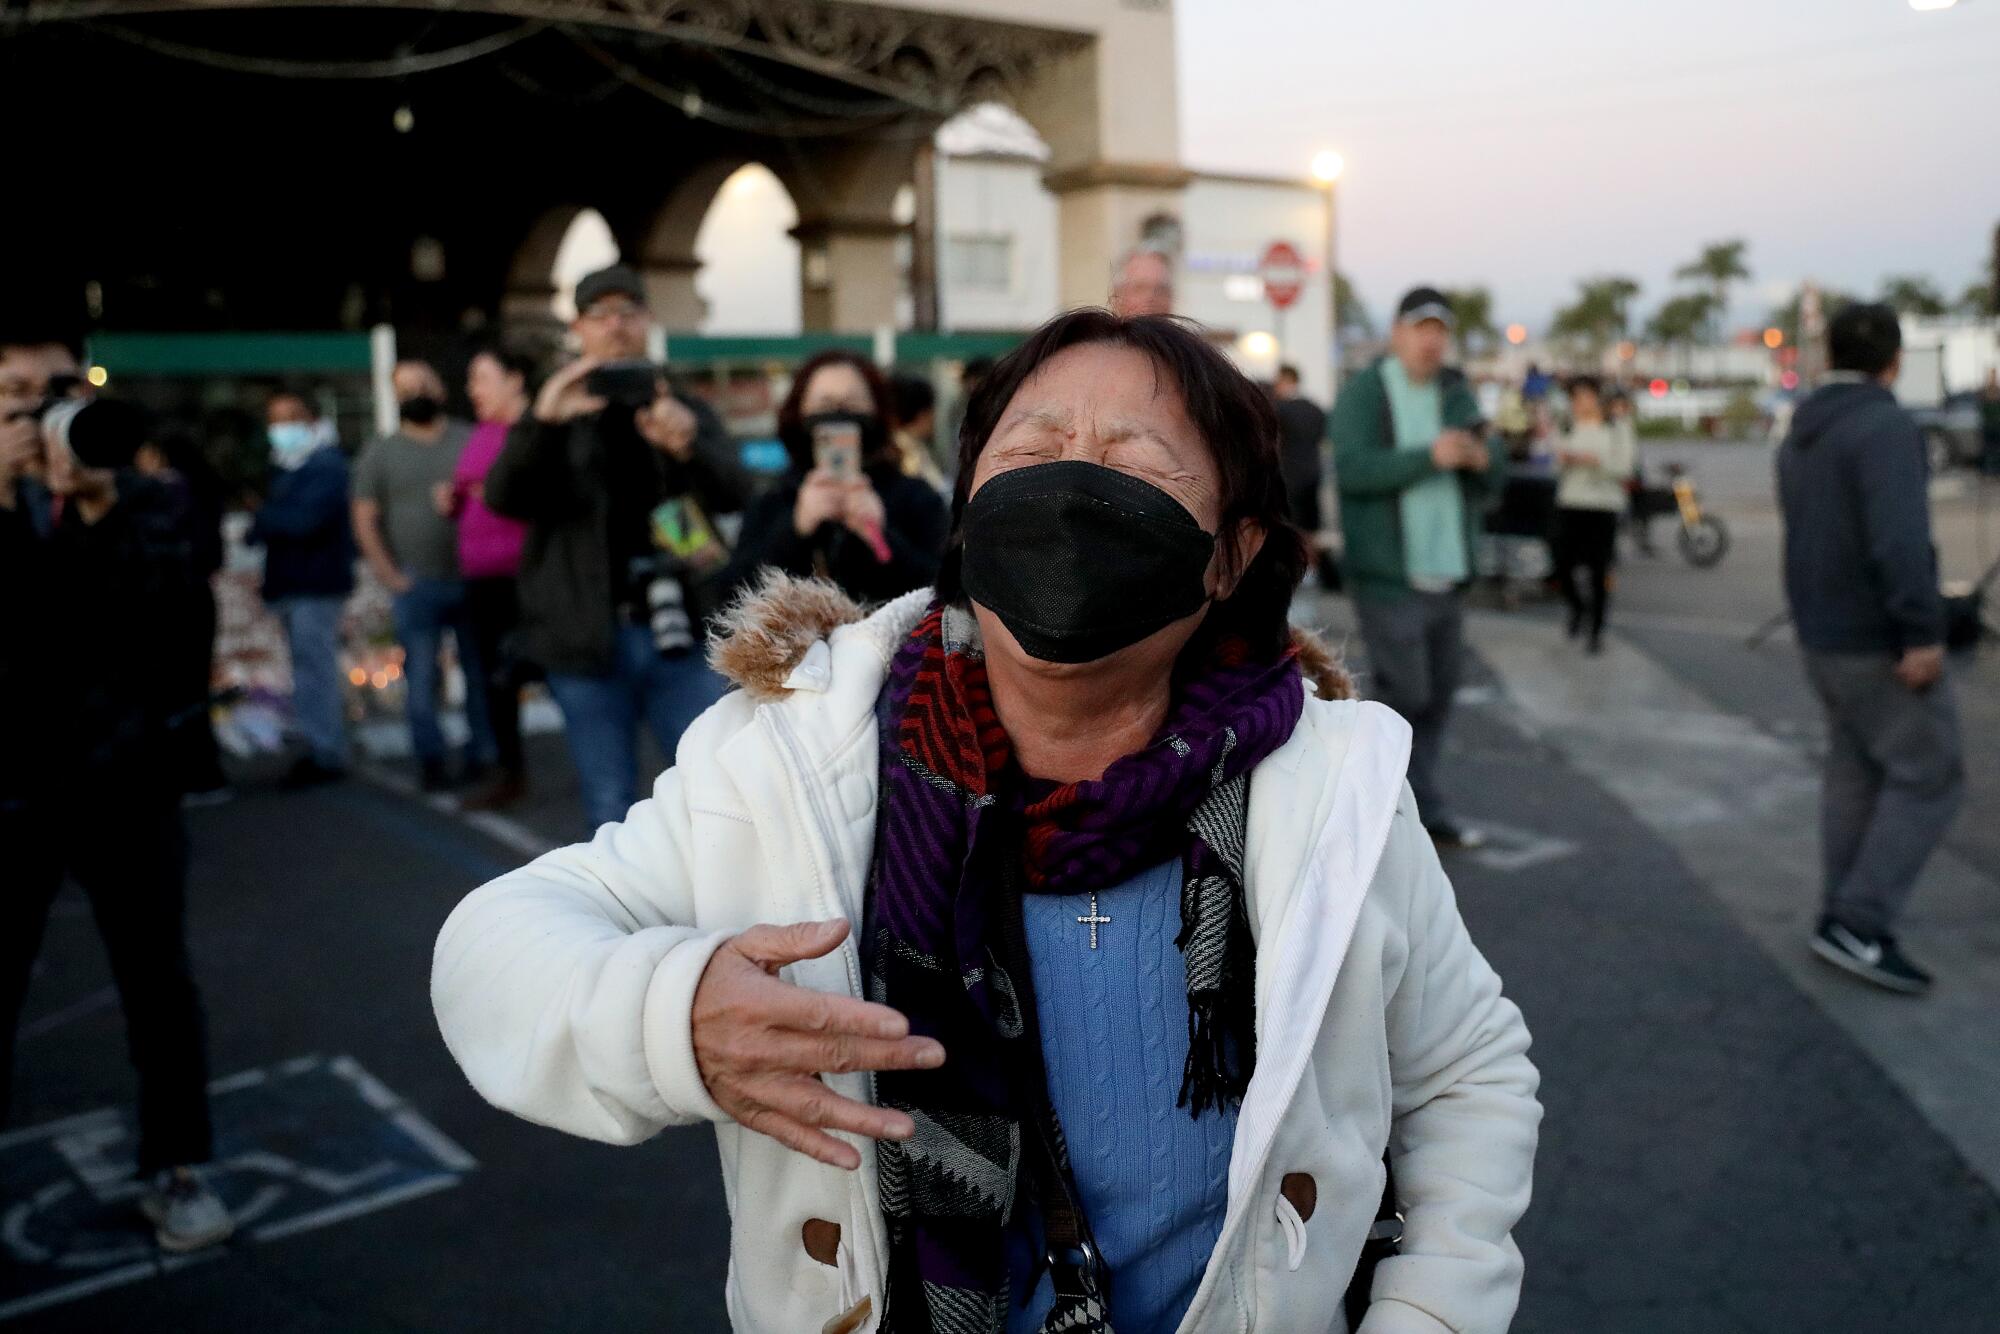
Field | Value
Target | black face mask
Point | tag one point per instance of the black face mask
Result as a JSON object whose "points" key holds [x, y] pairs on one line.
{"points": [[421, 410], [1079, 561]]}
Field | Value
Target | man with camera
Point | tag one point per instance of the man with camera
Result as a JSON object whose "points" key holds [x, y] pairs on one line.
{"points": [[99, 573], [619, 480]]}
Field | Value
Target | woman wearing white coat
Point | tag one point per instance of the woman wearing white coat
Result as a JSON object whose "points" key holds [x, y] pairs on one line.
{"points": [[1058, 950]]}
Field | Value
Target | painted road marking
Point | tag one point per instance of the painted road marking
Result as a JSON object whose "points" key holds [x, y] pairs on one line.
{"points": [[300, 1145], [1510, 848]]}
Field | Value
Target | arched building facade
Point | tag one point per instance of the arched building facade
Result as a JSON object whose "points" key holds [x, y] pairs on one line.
{"points": [[273, 164]]}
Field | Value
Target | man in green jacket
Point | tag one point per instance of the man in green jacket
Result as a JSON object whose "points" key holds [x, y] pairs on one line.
{"points": [[1414, 473]]}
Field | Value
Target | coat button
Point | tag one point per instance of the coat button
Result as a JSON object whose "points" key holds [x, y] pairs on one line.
{"points": [[821, 1240]]}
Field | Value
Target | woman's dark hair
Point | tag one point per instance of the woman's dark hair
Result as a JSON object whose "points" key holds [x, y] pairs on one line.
{"points": [[511, 360], [791, 419], [1235, 420], [1588, 383]]}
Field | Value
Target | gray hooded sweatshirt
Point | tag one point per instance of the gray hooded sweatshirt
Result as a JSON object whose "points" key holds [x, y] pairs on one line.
{"points": [[1853, 481]]}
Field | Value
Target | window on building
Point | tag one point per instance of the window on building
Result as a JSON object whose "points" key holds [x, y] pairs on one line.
{"points": [[980, 263]]}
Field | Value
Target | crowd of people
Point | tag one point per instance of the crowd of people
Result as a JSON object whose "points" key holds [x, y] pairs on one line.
{"points": [[1047, 744], [574, 534]]}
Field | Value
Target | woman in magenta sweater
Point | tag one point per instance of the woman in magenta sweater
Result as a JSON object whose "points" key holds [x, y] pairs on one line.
{"points": [[489, 556]]}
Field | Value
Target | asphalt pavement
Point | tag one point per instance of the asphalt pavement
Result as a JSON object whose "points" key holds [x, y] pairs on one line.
{"points": [[1730, 1145]]}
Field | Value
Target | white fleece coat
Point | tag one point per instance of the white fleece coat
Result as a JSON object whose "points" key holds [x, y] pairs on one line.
{"points": [[564, 990]]}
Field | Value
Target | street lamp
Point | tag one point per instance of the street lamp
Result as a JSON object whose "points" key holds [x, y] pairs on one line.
{"points": [[1327, 166]]}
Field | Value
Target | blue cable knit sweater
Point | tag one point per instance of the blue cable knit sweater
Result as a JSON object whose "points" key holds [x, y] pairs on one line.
{"points": [[1154, 1182]]}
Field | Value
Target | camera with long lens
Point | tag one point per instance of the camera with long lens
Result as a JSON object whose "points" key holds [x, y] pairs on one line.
{"points": [[96, 432], [658, 576]]}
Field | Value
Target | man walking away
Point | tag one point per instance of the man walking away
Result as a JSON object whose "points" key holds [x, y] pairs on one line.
{"points": [[308, 573], [410, 542], [1861, 577], [1414, 475], [1302, 438]]}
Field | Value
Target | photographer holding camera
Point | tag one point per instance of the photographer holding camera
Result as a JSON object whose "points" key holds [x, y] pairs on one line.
{"points": [[618, 479], [99, 574]]}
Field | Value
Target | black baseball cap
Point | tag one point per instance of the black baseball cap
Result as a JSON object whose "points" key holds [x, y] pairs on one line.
{"points": [[618, 280], [1426, 303]]}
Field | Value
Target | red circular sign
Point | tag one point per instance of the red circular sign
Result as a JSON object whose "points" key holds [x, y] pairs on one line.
{"points": [[1283, 270]]}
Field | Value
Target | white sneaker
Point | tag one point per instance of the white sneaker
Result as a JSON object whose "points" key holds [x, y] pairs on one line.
{"points": [[186, 1215]]}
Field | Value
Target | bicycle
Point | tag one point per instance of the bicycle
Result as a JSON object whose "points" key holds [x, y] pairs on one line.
{"points": [[1703, 537]]}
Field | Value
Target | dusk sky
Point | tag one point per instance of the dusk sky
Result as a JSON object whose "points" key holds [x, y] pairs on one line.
{"points": [[1524, 145]]}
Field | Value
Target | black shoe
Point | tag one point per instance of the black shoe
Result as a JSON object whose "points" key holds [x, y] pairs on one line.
{"points": [[474, 773], [309, 772], [1575, 624], [1448, 835], [1873, 959], [1595, 647], [435, 777]]}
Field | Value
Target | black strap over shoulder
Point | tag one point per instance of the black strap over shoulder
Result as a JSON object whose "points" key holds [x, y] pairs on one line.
{"points": [[1070, 1254]]}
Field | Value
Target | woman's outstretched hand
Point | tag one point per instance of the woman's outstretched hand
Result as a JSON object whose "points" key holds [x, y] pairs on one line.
{"points": [[761, 1044]]}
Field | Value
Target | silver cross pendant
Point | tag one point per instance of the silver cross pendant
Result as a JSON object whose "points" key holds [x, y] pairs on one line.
{"points": [[1093, 920]]}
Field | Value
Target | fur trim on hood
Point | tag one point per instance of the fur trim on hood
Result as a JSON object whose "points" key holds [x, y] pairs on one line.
{"points": [[766, 631]]}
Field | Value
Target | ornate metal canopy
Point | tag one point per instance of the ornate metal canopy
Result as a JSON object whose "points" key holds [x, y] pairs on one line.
{"points": [[908, 60]]}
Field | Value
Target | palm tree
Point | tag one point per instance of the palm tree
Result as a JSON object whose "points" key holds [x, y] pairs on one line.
{"points": [[1600, 315], [1912, 294], [1720, 264], [1682, 319], [1472, 310], [1976, 302]]}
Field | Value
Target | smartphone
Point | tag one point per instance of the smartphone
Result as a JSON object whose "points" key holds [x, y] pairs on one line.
{"points": [[837, 449], [624, 384]]}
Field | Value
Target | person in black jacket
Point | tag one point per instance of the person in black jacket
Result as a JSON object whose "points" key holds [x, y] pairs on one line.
{"points": [[1861, 577], [849, 515], [622, 559], [309, 555], [99, 582]]}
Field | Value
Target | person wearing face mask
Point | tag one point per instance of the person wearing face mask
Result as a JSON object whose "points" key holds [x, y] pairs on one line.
{"points": [[1058, 947], [621, 564], [411, 543], [309, 554], [847, 510], [96, 729]]}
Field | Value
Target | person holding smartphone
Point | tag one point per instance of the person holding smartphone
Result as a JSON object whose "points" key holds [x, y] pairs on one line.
{"points": [[616, 477], [846, 511]]}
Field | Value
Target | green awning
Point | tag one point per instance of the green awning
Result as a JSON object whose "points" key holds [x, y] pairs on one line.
{"points": [[231, 353]]}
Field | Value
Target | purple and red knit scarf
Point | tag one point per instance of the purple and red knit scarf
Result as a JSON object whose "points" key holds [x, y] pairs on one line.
{"points": [[954, 806]]}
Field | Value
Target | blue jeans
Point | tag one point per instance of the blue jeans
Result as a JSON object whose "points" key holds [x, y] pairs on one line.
{"points": [[422, 615], [602, 715], [312, 632]]}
